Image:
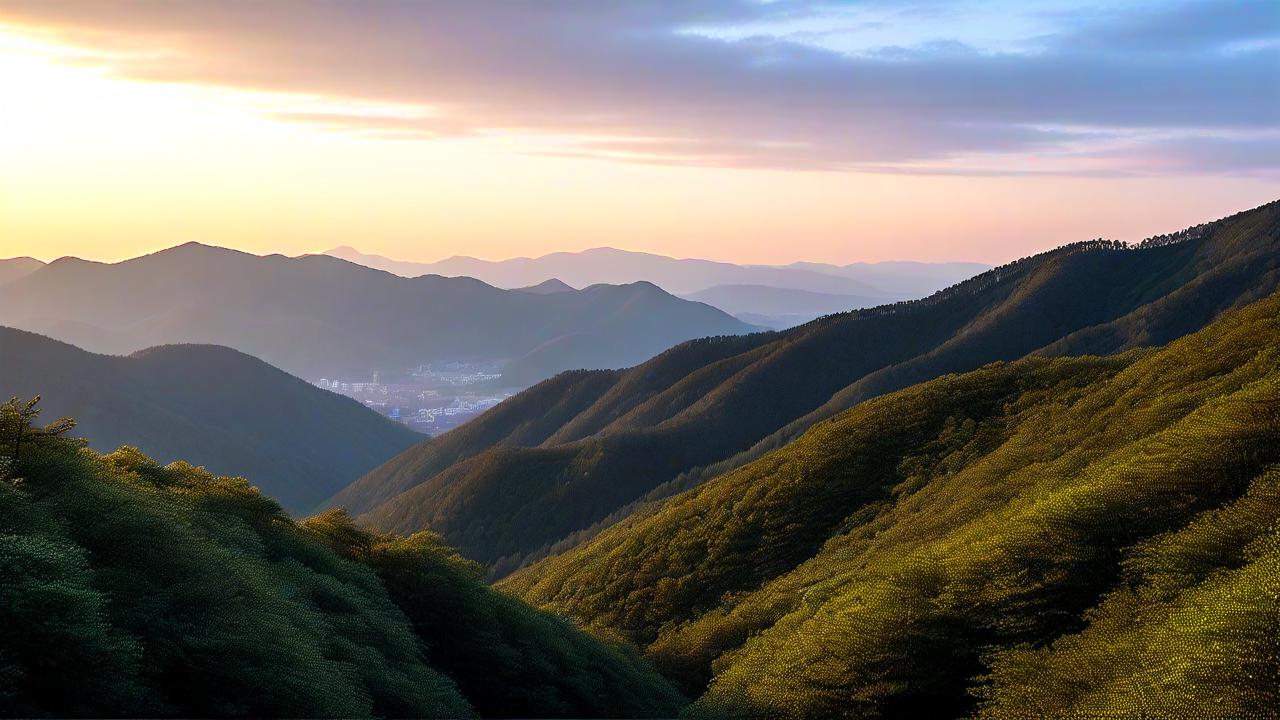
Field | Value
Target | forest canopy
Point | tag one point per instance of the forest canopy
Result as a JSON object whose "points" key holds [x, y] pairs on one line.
{"points": [[134, 589]]}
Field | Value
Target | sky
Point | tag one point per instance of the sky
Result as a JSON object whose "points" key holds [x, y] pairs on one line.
{"points": [[742, 130]]}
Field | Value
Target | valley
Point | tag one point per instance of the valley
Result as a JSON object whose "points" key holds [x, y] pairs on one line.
{"points": [[730, 360]]}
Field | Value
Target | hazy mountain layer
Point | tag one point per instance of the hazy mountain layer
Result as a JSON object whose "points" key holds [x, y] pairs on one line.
{"points": [[15, 268], [779, 307], [887, 281], [1075, 537], [318, 316], [209, 405], [911, 279], [521, 482]]}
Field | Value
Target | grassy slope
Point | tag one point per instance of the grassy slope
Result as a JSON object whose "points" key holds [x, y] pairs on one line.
{"points": [[895, 555]]}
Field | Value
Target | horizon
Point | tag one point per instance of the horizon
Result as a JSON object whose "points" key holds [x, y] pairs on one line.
{"points": [[330, 252], [968, 132]]}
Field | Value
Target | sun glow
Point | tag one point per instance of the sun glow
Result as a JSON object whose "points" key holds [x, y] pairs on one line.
{"points": [[104, 167]]}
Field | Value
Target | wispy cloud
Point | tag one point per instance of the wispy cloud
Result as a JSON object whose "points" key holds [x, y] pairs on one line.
{"points": [[1178, 87]]}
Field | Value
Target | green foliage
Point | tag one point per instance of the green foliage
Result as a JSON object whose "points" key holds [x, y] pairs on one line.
{"points": [[134, 589], [1072, 537], [508, 495], [508, 658]]}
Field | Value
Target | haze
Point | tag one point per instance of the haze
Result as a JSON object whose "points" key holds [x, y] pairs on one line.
{"points": [[739, 131]]}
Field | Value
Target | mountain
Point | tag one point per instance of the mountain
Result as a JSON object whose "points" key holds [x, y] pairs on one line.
{"points": [[609, 265], [19, 267], [575, 454], [318, 316], [136, 590], [209, 405], [778, 307], [1073, 537], [547, 287], [912, 279]]}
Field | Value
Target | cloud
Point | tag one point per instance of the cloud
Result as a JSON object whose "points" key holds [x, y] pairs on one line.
{"points": [[630, 83]]}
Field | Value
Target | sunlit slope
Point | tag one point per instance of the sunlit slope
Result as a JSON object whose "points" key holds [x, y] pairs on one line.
{"points": [[1073, 536], [709, 406], [135, 590]]}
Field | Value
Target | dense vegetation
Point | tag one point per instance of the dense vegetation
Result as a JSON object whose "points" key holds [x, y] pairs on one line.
{"points": [[318, 316], [208, 405], [132, 589], [520, 484], [1085, 537]]}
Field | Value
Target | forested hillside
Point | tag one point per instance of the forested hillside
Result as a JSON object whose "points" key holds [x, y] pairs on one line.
{"points": [[135, 590], [521, 482], [211, 406], [1070, 537]]}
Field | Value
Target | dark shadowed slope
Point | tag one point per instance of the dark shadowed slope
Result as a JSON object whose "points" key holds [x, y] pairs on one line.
{"points": [[710, 405], [1070, 537], [135, 590], [318, 316], [16, 268], [209, 405]]}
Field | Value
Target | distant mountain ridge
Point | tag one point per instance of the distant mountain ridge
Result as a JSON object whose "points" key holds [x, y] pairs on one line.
{"points": [[885, 281], [319, 316], [16, 268], [618, 440], [210, 405], [778, 307]]}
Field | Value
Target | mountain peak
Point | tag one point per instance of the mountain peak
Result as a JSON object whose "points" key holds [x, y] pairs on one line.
{"points": [[548, 287]]}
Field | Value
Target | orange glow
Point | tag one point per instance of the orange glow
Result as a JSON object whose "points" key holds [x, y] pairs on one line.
{"points": [[106, 168]]}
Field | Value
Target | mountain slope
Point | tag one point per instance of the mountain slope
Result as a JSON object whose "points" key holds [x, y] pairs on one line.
{"points": [[708, 406], [135, 590], [1073, 536], [612, 266], [210, 405], [546, 287], [15, 268], [318, 316]]}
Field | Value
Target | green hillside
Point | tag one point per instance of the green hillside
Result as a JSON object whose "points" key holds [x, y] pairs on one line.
{"points": [[136, 590], [208, 405], [1075, 537], [520, 485]]}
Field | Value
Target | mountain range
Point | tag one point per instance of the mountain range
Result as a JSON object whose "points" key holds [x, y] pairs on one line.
{"points": [[553, 465], [1053, 488], [208, 405], [778, 308], [318, 316], [1075, 537], [886, 281]]}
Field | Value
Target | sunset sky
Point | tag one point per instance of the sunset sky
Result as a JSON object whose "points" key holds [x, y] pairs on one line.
{"points": [[749, 131]]}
